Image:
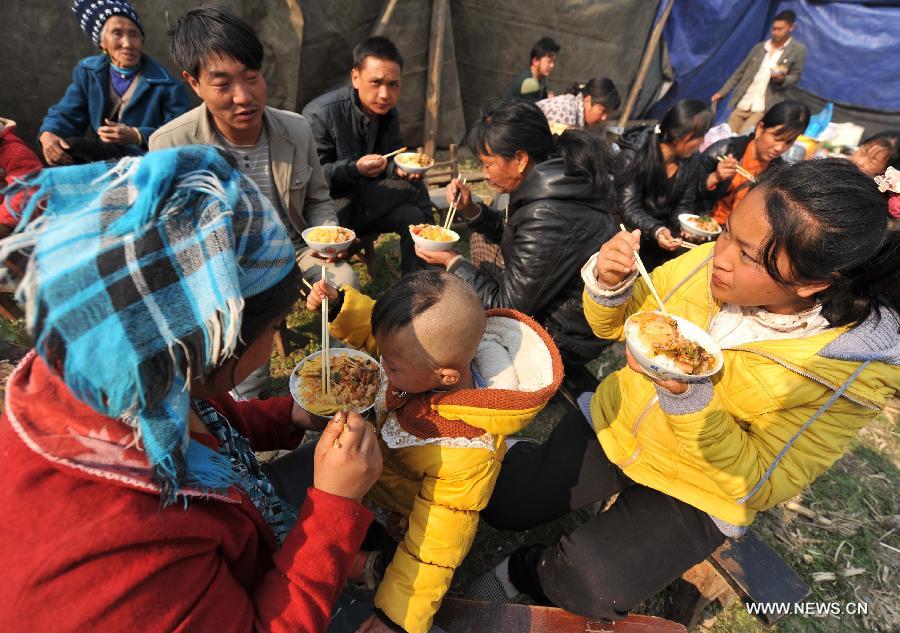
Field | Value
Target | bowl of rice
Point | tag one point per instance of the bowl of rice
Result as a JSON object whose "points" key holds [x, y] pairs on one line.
{"points": [[699, 225], [413, 162], [672, 348], [430, 237], [328, 240]]}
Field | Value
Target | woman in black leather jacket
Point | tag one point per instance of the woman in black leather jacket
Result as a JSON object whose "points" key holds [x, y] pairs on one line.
{"points": [[561, 196], [656, 177]]}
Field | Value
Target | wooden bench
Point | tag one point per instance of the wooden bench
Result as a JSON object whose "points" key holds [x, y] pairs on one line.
{"points": [[458, 615], [744, 568]]}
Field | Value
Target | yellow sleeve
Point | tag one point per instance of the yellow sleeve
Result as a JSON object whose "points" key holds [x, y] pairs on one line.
{"points": [[441, 528], [608, 321], [354, 323]]}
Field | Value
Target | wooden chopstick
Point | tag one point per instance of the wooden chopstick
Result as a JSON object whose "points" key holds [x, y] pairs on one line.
{"points": [[394, 153], [308, 285], [646, 276], [451, 212], [743, 172], [326, 361], [688, 245]]}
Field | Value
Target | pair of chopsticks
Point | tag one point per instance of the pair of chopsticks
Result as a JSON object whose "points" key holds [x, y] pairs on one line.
{"points": [[743, 172], [326, 352], [646, 276], [394, 153], [451, 212]]}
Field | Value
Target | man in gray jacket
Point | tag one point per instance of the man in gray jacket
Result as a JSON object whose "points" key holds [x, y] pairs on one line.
{"points": [[221, 58], [765, 74]]}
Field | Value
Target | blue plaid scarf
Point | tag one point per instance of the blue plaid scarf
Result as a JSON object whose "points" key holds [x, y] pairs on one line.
{"points": [[135, 284]]}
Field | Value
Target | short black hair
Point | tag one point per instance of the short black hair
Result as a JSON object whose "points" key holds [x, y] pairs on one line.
{"points": [[408, 298], [793, 116], [207, 31], [377, 47], [543, 47], [786, 16]]}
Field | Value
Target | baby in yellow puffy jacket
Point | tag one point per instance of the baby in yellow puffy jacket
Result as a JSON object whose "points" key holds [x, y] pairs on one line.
{"points": [[460, 380]]}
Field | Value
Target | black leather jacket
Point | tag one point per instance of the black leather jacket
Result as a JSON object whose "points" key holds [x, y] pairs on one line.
{"points": [[708, 162], [635, 206], [344, 134], [556, 222]]}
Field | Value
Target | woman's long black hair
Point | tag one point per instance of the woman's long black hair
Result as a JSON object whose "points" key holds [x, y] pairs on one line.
{"points": [[511, 125], [830, 220], [601, 90], [686, 118]]}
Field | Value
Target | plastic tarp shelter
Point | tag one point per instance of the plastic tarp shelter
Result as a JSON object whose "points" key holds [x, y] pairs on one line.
{"points": [[852, 48]]}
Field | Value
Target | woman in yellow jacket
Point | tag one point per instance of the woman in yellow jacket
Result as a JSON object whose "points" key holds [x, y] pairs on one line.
{"points": [[801, 291]]}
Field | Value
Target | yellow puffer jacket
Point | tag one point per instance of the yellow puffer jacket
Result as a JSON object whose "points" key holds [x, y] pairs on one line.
{"points": [[716, 458], [442, 452]]}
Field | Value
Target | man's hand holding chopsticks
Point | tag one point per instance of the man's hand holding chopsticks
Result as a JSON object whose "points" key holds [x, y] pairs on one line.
{"points": [[371, 165]]}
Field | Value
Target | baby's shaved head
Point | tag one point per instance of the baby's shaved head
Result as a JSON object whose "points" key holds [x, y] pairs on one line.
{"points": [[436, 314]]}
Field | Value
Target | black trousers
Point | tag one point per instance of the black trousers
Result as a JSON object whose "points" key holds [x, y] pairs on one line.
{"points": [[390, 205], [618, 558]]}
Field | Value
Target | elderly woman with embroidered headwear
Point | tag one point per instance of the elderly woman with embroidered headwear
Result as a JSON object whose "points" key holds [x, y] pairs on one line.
{"points": [[126, 465], [118, 98]]}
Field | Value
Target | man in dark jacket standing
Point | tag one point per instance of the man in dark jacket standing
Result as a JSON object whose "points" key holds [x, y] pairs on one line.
{"points": [[765, 74], [353, 127]]}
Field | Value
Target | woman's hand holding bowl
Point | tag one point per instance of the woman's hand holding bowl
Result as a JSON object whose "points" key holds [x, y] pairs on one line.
{"points": [[615, 262], [436, 258], [672, 386]]}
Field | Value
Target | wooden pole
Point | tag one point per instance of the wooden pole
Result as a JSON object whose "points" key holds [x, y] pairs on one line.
{"points": [[645, 65], [439, 9], [384, 20]]}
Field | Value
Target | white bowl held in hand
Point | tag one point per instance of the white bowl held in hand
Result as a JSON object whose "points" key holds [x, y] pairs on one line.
{"points": [[328, 240], [413, 163], [433, 245], [688, 223], [297, 391], [662, 367]]}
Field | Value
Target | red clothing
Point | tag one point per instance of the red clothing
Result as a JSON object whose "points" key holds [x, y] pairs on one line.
{"points": [[88, 548], [17, 161]]}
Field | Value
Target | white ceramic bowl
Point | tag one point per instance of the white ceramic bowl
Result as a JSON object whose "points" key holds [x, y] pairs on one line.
{"points": [[660, 366], [413, 167], [294, 380], [689, 228], [434, 245], [327, 248]]}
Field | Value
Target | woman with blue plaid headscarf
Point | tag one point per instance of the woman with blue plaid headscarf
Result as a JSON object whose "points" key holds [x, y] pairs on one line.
{"points": [[152, 287]]}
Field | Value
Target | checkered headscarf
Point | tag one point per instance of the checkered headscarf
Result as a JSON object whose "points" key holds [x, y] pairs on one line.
{"points": [[93, 14], [135, 283]]}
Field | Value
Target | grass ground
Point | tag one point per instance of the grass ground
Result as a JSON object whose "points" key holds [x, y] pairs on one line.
{"points": [[843, 538]]}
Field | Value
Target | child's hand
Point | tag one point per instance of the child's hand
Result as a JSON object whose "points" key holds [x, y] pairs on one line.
{"points": [[616, 258], [348, 459], [317, 295]]}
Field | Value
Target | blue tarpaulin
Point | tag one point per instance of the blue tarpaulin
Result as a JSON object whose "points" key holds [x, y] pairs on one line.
{"points": [[852, 48]]}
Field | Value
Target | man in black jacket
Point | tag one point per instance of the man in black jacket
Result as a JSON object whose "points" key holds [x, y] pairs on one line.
{"points": [[354, 126]]}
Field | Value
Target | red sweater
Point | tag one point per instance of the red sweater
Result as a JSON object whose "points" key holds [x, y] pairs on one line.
{"points": [[88, 549], [16, 161]]}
